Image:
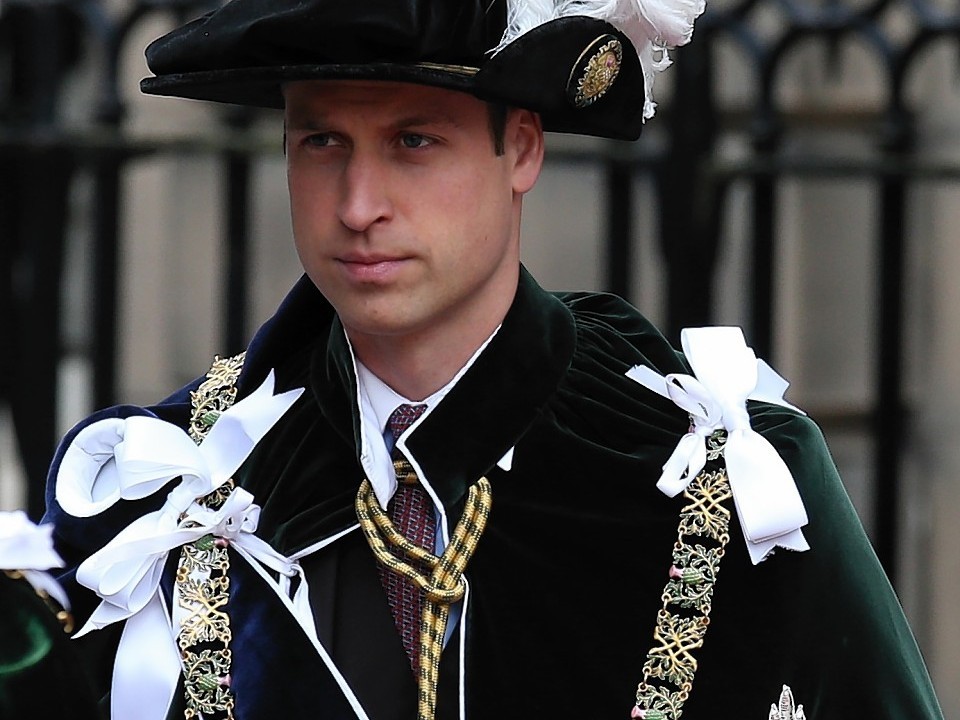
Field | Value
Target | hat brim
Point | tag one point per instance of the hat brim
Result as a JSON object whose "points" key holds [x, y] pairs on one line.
{"points": [[533, 72], [263, 86]]}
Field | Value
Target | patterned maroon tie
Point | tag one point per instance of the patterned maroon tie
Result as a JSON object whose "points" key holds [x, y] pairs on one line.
{"points": [[412, 514]]}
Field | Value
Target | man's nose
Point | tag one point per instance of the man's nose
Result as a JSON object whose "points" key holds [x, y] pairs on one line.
{"points": [[364, 198]]}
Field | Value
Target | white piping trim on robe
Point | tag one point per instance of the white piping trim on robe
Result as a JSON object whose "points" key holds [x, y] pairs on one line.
{"points": [[310, 630], [728, 373], [135, 457]]}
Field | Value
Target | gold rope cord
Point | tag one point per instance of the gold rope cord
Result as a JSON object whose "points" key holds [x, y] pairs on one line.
{"points": [[442, 586], [683, 620], [202, 583]]}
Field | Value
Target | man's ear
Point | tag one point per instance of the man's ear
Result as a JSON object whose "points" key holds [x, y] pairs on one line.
{"points": [[524, 133]]}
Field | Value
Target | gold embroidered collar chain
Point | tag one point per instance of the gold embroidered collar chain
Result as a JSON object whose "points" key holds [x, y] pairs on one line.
{"points": [[202, 585], [441, 578], [682, 622]]}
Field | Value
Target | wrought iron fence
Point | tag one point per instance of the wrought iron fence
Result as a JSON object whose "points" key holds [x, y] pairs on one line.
{"points": [[41, 40]]}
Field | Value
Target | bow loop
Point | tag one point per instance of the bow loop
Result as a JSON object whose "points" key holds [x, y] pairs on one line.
{"points": [[728, 373], [691, 395], [129, 459], [686, 462], [154, 452]]}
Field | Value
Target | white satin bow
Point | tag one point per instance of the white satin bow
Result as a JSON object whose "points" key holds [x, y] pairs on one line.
{"points": [[28, 548], [130, 459], [728, 373]]}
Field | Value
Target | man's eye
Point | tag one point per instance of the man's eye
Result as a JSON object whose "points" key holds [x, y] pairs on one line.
{"points": [[319, 140], [413, 140]]}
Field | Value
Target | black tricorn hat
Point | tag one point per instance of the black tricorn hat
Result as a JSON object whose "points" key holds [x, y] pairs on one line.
{"points": [[589, 73]]}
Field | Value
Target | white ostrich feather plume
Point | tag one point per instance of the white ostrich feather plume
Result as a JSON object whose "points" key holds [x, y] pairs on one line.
{"points": [[653, 26]]}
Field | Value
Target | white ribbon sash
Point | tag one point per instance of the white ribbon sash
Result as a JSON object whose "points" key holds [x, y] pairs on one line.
{"points": [[28, 548], [130, 459], [728, 373]]}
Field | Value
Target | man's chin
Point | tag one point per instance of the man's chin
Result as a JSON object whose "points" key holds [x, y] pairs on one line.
{"points": [[386, 326]]}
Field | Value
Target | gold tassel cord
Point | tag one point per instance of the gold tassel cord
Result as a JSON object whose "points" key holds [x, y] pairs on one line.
{"points": [[441, 578], [449, 572]]}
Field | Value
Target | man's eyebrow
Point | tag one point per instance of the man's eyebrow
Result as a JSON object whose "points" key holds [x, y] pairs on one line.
{"points": [[305, 121], [319, 121], [429, 118]]}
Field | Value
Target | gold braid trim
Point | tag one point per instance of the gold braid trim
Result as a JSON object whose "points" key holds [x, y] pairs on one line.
{"points": [[444, 584], [466, 70], [683, 620], [202, 583]]}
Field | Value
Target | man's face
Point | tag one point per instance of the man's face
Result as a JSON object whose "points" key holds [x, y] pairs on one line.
{"points": [[403, 214]]}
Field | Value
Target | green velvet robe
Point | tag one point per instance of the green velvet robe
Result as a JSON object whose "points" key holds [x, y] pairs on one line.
{"points": [[565, 586]]}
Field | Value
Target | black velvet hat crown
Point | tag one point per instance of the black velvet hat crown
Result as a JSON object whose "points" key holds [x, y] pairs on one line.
{"points": [[582, 74]]}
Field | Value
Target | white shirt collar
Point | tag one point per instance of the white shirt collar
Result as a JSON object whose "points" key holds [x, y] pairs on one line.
{"points": [[377, 401], [383, 399]]}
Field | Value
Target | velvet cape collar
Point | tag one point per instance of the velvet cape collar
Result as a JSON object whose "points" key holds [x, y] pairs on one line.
{"points": [[506, 389]]}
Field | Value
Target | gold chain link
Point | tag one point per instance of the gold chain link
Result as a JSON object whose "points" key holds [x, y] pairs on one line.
{"points": [[202, 583], [684, 618]]}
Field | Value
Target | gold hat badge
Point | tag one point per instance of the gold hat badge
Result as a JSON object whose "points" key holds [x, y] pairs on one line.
{"points": [[595, 71]]}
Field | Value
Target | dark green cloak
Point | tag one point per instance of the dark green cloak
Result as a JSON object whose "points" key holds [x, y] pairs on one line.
{"points": [[565, 585]]}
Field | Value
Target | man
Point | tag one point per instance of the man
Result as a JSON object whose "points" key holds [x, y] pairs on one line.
{"points": [[430, 489]]}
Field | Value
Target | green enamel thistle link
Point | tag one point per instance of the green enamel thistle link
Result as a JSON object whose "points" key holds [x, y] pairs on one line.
{"points": [[682, 622]]}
